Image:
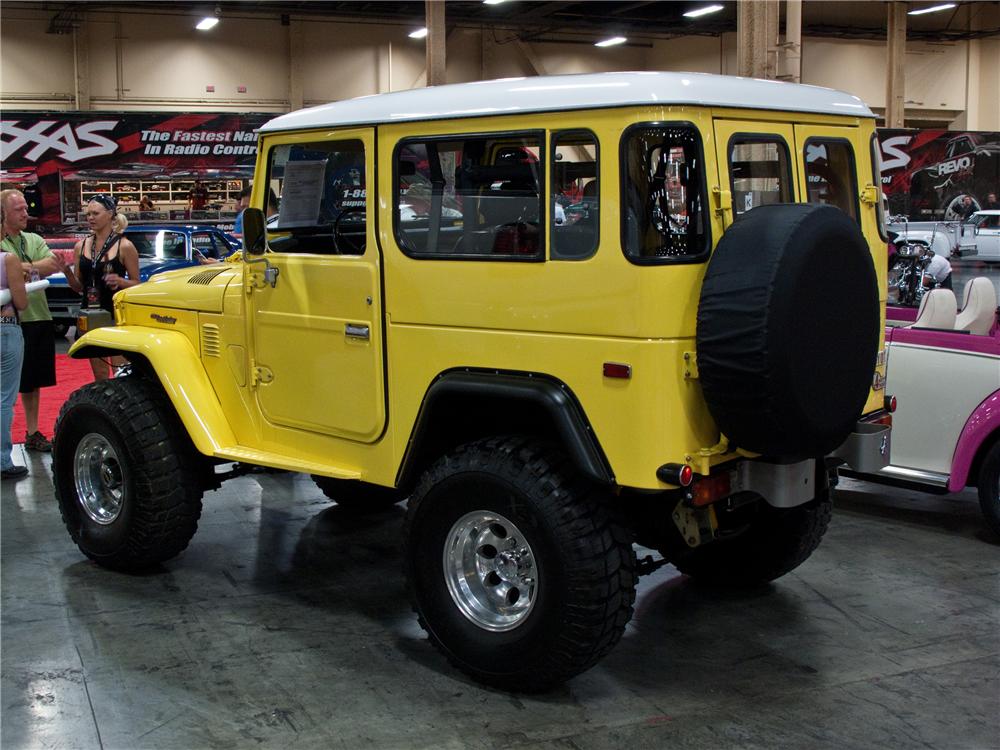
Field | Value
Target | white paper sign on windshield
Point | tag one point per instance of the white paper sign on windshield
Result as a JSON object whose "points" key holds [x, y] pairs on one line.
{"points": [[301, 194]]}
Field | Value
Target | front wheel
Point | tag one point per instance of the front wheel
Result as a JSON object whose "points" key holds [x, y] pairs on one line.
{"points": [[515, 567], [126, 474], [989, 488]]}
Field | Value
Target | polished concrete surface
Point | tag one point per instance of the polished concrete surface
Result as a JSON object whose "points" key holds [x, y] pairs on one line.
{"points": [[285, 625]]}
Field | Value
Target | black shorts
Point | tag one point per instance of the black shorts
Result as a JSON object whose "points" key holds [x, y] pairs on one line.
{"points": [[39, 369]]}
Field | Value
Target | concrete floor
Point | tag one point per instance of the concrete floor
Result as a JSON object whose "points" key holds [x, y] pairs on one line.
{"points": [[285, 625]]}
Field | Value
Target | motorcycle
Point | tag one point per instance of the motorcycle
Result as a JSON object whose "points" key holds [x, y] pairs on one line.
{"points": [[909, 280]]}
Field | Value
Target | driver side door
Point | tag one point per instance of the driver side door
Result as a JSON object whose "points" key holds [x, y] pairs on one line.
{"points": [[317, 332]]}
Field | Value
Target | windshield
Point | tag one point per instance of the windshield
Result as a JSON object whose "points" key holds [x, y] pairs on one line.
{"points": [[158, 244]]}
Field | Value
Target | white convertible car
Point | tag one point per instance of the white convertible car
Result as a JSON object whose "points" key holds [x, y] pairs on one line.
{"points": [[944, 441]]}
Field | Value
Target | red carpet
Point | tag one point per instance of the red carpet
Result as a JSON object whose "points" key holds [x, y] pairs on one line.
{"points": [[70, 375]]}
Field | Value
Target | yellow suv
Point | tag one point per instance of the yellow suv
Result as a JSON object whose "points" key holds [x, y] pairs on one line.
{"points": [[560, 315]]}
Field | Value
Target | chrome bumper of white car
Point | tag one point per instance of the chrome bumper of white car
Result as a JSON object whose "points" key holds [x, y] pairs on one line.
{"points": [[867, 449]]}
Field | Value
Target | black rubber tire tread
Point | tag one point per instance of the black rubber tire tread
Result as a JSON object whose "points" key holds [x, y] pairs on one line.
{"points": [[163, 501], [776, 542], [788, 329], [358, 497], [581, 621], [989, 487]]}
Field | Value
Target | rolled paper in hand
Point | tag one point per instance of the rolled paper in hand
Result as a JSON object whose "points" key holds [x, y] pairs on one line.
{"points": [[32, 286]]}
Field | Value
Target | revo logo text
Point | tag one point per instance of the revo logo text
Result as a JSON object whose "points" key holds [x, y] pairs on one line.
{"points": [[954, 165]]}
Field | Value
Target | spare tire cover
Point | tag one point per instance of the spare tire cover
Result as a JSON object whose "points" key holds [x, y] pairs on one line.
{"points": [[788, 329]]}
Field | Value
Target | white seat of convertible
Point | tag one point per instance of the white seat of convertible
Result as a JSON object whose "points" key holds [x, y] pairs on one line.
{"points": [[979, 306], [937, 310]]}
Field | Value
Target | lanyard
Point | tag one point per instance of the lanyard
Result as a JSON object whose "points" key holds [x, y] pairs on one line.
{"points": [[107, 246], [23, 252]]}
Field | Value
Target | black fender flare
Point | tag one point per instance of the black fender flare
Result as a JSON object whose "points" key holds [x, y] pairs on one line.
{"points": [[546, 394]]}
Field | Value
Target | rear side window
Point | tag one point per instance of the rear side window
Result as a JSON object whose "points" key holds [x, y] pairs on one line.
{"points": [[575, 195], [663, 194], [321, 197], [760, 172], [471, 197], [830, 174], [159, 244]]}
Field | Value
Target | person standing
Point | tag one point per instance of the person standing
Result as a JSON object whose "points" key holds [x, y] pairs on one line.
{"points": [[197, 197], [967, 209], [11, 357], [37, 262], [105, 263], [991, 202], [241, 205]]}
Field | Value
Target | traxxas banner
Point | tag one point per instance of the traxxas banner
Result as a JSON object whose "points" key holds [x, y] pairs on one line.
{"points": [[41, 148]]}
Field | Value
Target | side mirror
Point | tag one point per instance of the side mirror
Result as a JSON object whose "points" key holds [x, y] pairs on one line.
{"points": [[253, 232]]}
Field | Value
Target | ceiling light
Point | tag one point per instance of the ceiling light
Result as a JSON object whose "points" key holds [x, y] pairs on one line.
{"points": [[703, 11], [418, 34], [932, 9], [611, 42], [493, 2], [207, 23]]}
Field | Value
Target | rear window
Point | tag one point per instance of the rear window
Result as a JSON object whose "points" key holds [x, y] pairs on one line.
{"points": [[471, 197], [760, 172], [663, 194], [830, 174]]}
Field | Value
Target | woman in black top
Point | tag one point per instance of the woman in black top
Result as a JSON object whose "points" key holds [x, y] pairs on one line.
{"points": [[105, 263]]}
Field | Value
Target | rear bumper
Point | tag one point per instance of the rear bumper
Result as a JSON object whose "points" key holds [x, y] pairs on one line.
{"points": [[867, 449]]}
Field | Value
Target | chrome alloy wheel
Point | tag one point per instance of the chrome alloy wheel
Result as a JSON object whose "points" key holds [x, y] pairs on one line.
{"points": [[100, 484], [490, 570]]}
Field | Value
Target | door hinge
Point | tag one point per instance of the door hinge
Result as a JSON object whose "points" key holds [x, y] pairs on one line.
{"points": [[690, 366], [871, 195], [260, 374], [723, 199]]}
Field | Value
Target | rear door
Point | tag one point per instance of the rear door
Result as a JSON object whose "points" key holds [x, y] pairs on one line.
{"points": [[755, 165]]}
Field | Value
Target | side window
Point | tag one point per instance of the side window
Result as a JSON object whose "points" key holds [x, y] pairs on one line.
{"points": [[760, 172], [204, 243], [321, 198], [663, 194], [831, 175], [470, 196], [575, 195]]}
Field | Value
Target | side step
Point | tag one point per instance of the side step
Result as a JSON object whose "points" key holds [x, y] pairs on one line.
{"points": [[290, 463]]}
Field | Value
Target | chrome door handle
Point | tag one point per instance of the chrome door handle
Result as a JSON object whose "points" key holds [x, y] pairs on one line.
{"points": [[356, 331]]}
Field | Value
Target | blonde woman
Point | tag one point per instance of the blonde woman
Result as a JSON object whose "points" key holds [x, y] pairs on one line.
{"points": [[105, 263]]}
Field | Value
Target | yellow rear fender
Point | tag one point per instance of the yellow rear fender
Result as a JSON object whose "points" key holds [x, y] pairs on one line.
{"points": [[177, 365]]}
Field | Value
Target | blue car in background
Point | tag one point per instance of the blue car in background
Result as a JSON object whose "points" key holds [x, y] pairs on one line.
{"points": [[162, 247]]}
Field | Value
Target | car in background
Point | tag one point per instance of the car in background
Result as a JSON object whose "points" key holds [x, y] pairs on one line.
{"points": [[946, 437], [161, 247]]}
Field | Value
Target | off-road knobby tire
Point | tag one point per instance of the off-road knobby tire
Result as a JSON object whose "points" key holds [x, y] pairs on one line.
{"points": [[989, 487], [788, 329], [160, 467], [358, 497], [775, 542], [585, 563]]}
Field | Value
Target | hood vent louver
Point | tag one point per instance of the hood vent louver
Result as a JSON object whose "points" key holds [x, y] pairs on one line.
{"points": [[205, 277], [211, 346]]}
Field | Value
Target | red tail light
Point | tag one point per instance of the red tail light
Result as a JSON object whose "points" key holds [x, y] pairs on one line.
{"points": [[709, 489]]}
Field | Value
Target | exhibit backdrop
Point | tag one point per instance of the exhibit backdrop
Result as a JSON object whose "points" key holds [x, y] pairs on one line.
{"points": [[927, 173], [43, 151]]}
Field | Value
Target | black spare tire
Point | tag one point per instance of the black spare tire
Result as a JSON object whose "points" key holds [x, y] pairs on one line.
{"points": [[788, 329]]}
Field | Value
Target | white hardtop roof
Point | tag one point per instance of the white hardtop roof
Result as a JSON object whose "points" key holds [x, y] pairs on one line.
{"points": [[988, 212], [585, 91]]}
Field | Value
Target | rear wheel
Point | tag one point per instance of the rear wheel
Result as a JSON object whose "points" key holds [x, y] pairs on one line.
{"points": [[515, 568], [763, 544], [989, 488], [126, 474]]}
